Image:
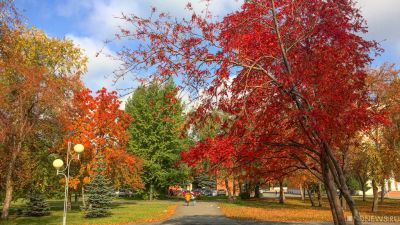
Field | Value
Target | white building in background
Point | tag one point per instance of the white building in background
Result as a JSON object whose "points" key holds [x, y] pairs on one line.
{"points": [[391, 187]]}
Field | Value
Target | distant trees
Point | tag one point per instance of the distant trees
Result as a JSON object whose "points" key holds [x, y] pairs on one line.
{"points": [[359, 163], [375, 156], [157, 134]]}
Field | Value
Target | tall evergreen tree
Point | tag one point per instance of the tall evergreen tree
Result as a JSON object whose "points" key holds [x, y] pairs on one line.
{"points": [[100, 192], [37, 205], [156, 134]]}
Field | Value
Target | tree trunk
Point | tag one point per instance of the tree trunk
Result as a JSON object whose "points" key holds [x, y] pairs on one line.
{"points": [[69, 201], [151, 192], [8, 197], [350, 201], [234, 188], [9, 181], [375, 198], [301, 191], [374, 183], [339, 178], [336, 209], [248, 191], [319, 194], [383, 190], [228, 189], [343, 166], [240, 187], [342, 201], [76, 197], [364, 197], [310, 197], [281, 192], [166, 191], [363, 191], [332, 206], [83, 197], [257, 191]]}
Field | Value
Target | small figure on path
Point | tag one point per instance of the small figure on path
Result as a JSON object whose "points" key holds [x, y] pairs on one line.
{"points": [[193, 198], [187, 197]]}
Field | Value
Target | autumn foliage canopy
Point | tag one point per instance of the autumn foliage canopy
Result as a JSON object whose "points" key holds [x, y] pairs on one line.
{"points": [[291, 74], [99, 124]]}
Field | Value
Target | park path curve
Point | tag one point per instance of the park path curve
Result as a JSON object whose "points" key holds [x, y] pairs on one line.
{"points": [[209, 213], [200, 213]]}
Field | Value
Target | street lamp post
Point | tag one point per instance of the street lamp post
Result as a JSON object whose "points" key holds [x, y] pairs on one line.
{"points": [[58, 164]]}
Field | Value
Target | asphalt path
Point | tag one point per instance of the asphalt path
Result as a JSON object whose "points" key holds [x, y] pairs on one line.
{"points": [[209, 213]]}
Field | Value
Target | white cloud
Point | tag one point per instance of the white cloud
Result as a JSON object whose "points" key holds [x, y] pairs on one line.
{"points": [[382, 18], [102, 20], [100, 68], [383, 25]]}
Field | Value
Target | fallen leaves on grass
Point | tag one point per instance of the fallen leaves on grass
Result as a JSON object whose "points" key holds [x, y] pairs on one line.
{"points": [[276, 214], [295, 210]]}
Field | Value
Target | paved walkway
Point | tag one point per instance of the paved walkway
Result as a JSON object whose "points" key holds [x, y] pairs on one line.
{"points": [[208, 213]]}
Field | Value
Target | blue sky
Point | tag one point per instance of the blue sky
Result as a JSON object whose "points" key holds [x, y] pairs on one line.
{"points": [[89, 22]]}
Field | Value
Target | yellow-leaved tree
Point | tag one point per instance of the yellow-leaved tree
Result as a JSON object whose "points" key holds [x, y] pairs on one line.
{"points": [[38, 75]]}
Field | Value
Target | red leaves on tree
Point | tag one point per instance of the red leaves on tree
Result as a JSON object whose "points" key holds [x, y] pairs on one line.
{"points": [[291, 74], [306, 84]]}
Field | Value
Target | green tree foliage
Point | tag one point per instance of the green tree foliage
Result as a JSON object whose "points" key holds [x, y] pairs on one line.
{"points": [[37, 205], [100, 192], [157, 135]]}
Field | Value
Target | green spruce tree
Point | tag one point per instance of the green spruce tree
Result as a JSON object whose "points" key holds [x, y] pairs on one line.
{"points": [[37, 205], [100, 192]]}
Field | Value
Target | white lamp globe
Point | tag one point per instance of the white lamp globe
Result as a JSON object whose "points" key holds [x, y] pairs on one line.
{"points": [[58, 163], [78, 148]]}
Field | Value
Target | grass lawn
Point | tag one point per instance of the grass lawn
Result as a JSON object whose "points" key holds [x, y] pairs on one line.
{"points": [[122, 213], [295, 210]]}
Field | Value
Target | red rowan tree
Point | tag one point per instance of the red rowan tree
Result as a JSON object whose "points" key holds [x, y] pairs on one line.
{"points": [[292, 74]]}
